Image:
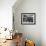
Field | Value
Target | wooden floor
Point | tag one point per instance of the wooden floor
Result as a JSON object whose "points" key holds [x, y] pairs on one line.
{"points": [[9, 43]]}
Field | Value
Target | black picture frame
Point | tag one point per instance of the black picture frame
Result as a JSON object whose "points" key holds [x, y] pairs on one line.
{"points": [[28, 18]]}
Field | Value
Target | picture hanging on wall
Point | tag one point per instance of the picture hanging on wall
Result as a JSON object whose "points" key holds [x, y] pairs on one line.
{"points": [[28, 18]]}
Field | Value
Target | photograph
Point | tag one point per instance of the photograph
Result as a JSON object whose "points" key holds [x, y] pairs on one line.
{"points": [[28, 18]]}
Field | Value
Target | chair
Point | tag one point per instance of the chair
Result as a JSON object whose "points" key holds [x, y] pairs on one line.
{"points": [[18, 39], [29, 43]]}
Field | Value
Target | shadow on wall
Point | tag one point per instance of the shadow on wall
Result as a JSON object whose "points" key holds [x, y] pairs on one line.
{"points": [[17, 4], [17, 18]]}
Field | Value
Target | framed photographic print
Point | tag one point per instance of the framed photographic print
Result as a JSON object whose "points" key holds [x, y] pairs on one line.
{"points": [[28, 18]]}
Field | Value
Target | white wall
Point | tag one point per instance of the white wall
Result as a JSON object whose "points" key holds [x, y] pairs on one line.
{"points": [[30, 31], [43, 22], [6, 13]]}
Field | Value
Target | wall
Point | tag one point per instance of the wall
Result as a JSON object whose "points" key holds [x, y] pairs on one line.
{"points": [[43, 22], [29, 31], [6, 13]]}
